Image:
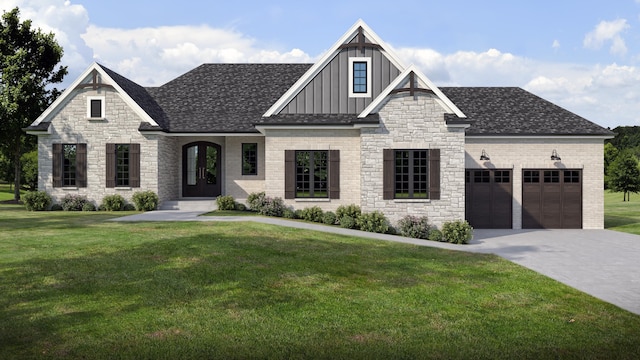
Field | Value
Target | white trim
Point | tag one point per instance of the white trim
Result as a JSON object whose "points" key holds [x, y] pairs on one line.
{"points": [[154, 132], [102, 99], [563, 137], [326, 58], [366, 94], [378, 102]]}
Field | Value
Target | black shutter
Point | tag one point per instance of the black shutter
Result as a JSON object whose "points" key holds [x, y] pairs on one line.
{"points": [[81, 165], [57, 165], [388, 174], [111, 165], [334, 174], [289, 174], [134, 165], [434, 174]]}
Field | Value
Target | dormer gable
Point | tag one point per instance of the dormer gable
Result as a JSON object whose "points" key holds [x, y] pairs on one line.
{"points": [[346, 79]]}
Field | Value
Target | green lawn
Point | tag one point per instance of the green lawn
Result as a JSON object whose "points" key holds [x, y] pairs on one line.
{"points": [[73, 285], [622, 216]]}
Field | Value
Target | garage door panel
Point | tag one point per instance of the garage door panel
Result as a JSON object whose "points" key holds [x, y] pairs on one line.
{"points": [[489, 198], [552, 198]]}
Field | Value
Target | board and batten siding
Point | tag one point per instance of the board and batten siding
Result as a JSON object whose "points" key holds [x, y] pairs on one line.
{"points": [[328, 92]]}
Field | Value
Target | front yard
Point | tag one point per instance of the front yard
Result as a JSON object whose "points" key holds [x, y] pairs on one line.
{"points": [[73, 285]]}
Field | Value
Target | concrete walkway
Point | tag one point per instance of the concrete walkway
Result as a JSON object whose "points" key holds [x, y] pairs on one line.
{"points": [[602, 263]]}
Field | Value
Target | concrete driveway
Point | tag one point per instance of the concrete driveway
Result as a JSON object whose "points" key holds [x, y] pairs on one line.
{"points": [[602, 263]]}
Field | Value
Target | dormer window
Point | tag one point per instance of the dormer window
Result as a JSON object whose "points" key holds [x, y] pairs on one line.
{"points": [[360, 77], [95, 107]]}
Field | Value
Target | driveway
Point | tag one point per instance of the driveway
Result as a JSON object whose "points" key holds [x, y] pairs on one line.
{"points": [[602, 263]]}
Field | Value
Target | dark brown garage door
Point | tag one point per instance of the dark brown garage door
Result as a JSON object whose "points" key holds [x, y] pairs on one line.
{"points": [[488, 198], [552, 199]]}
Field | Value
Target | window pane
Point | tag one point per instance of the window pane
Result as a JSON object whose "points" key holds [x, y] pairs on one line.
{"points": [[212, 165], [249, 159], [360, 77], [312, 174], [122, 164], [192, 164], [96, 108], [69, 165]]}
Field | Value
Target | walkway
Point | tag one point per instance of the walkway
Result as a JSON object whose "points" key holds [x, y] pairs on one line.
{"points": [[602, 263]]}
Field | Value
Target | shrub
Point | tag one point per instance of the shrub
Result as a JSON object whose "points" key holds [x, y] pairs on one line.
{"points": [[289, 214], [414, 227], [56, 207], [128, 207], [352, 211], [457, 232], [298, 213], [435, 235], [313, 214], [36, 200], [347, 222], [273, 207], [88, 206], [72, 202], [145, 200], [226, 202], [113, 203], [256, 201], [241, 207], [329, 218], [373, 222]]}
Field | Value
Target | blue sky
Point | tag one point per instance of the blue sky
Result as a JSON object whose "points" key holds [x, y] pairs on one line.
{"points": [[582, 55]]}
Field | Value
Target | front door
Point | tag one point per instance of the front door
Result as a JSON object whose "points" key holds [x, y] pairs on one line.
{"points": [[201, 169]]}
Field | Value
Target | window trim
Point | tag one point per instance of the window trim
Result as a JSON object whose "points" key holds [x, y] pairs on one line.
{"points": [[353, 60], [102, 107], [255, 172], [333, 177]]}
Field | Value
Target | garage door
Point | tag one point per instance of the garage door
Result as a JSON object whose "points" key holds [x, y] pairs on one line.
{"points": [[552, 199], [488, 198]]}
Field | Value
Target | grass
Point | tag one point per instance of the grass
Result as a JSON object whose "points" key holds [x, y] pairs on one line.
{"points": [[73, 285], [622, 216]]}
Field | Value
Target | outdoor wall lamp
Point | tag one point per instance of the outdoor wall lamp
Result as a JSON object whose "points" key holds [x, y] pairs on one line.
{"points": [[554, 155], [484, 156]]}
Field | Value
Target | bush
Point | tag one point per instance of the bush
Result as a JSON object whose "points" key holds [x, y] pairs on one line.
{"points": [[113, 203], [352, 211], [73, 202], [256, 201], [298, 213], [273, 207], [145, 200], [313, 214], [289, 214], [29, 163], [414, 227], [435, 235], [56, 207], [128, 207], [36, 200], [226, 202], [88, 206], [373, 222], [457, 232], [347, 222], [329, 218], [241, 207]]}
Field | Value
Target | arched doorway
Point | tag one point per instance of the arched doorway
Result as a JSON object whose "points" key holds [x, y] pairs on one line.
{"points": [[201, 169]]}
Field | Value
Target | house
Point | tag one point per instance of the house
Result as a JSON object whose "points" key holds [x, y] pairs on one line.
{"points": [[357, 127]]}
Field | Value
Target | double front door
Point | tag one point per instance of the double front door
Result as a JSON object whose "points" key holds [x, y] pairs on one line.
{"points": [[201, 169]]}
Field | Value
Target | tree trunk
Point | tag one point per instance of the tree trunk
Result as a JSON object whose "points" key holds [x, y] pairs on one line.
{"points": [[17, 173]]}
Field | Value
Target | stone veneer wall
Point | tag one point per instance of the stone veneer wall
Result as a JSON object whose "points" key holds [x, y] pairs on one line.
{"points": [[414, 123], [70, 125], [347, 141], [520, 153]]}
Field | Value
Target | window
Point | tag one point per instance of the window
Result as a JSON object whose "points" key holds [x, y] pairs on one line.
{"points": [[95, 107], [411, 174], [502, 176], [359, 77], [571, 176], [481, 176], [551, 176], [531, 176], [312, 174], [69, 165], [250, 159], [123, 165]]}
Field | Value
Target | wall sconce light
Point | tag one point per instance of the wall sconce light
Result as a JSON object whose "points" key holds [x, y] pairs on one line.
{"points": [[554, 155], [484, 156]]}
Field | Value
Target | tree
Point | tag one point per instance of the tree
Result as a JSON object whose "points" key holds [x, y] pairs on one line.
{"points": [[28, 67], [610, 154], [624, 174]]}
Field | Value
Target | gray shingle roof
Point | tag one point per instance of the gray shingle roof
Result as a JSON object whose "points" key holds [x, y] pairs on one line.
{"points": [[515, 111], [224, 98]]}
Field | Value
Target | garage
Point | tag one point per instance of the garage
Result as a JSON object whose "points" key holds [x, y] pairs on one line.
{"points": [[551, 199], [488, 201]]}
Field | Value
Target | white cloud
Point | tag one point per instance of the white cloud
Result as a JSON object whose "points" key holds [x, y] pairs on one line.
{"points": [[608, 31], [556, 44]]}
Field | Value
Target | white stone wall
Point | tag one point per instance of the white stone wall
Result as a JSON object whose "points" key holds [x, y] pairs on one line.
{"points": [[414, 123], [520, 153], [347, 141], [70, 125]]}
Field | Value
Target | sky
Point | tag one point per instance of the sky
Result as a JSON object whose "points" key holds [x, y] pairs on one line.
{"points": [[583, 55]]}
